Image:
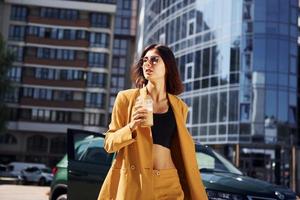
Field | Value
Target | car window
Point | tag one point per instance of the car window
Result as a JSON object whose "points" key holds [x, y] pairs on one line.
{"points": [[31, 169], [80, 148], [93, 152], [207, 161], [211, 160], [46, 170], [10, 168], [2, 168]]}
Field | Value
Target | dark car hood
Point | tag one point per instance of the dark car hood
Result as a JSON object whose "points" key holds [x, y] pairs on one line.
{"points": [[239, 184]]}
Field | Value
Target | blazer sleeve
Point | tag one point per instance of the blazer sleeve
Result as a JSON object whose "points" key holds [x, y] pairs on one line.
{"points": [[119, 134]]}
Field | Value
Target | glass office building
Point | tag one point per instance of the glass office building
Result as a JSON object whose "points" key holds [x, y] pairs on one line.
{"points": [[238, 60]]}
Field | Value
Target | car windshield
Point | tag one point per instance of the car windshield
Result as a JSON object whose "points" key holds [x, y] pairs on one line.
{"points": [[210, 161]]}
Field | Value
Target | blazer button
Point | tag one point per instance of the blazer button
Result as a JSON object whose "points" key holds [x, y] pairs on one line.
{"points": [[132, 167]]}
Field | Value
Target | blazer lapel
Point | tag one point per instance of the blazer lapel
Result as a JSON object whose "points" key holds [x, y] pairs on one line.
{"points": [[177, 109]]}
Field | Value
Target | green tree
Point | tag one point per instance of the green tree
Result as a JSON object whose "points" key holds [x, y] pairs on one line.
{"points": [[6, 60]]}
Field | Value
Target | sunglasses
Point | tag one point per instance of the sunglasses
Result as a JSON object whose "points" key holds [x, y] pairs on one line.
{"points": [[153, 60]]}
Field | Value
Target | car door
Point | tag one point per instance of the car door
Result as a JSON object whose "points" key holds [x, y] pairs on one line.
{"points": [[35, 174], [28, 173], [88, 164]]}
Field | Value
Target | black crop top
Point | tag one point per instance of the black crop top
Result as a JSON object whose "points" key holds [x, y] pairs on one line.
{"points": [[164, 127]]}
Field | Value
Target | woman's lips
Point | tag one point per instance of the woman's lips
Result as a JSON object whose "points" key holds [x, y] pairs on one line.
{"points": [[148, 71]]}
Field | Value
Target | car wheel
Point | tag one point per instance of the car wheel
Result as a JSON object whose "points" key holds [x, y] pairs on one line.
{"points": [[42, 181], [62, 197], [22, 181]]}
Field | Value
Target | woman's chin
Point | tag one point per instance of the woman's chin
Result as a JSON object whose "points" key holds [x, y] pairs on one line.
{"points": [[148, 77]]}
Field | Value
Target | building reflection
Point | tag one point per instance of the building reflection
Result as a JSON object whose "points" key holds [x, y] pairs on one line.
{"points": [[238, 61]]}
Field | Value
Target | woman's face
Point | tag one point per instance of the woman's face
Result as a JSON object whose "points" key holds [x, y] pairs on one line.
{"points": [[153, 66]]}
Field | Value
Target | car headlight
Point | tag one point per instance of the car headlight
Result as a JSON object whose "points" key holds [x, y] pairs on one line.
{"points": [[217, 195]]}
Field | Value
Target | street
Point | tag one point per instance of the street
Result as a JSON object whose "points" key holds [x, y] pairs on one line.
{"points": [[21, 192]]}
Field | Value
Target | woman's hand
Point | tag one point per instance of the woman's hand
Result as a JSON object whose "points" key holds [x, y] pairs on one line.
{"points": [[138, 116]]}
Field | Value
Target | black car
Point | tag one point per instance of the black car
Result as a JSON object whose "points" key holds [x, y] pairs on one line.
{"points": [[81, 174]]}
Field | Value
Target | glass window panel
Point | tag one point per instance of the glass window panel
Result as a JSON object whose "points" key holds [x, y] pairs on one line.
{"points": [[293, 81], [283, 29], [293, 31], [232, 129], [204, 108], [234, 56], [233, 105], [283, 79], [259, 27], [197, 85], [212, 130], [47, 115], [222, 129], [272, 55], [283, 56], [294, 15], [40, 114], [272, 28], [196, 110], [271, 104], [284, 11], [214, 81], [214, 61], [34, 114], [36, 93], [206, 62], [260, 10], [213, 107], [204, 83], [272, 10], [223, 107], [293, 48], [283, 106], [271, 78], [245, 129], [293, 65], [292, 114], [245, 112], [203, 130], [234, 78], [259, 54], [195, 131], [292, 99]]}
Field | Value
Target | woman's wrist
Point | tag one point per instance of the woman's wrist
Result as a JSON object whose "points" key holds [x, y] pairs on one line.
{"points": [[130, 127], [133, 133]]}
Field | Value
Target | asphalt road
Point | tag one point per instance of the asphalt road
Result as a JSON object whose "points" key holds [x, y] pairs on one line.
{"points": [[21, 192]]}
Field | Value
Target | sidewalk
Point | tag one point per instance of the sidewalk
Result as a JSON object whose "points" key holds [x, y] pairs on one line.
{"points": [[20, 192]]}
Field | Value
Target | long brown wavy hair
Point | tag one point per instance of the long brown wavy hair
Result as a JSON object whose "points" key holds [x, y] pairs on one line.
{"points": [[173, 82]]}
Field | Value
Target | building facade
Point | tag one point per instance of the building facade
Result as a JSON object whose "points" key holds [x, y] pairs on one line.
{"points": [[61, 75], [123, 47], [238, 60]]}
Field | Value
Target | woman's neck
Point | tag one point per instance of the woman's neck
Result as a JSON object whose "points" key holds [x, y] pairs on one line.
{"points": [[157, 91]]}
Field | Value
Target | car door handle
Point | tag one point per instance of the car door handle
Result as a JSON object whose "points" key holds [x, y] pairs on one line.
{"points": [[74, 173]]}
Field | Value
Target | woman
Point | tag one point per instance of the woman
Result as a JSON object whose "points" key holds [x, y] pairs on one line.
{"points": [[155, 162]]}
